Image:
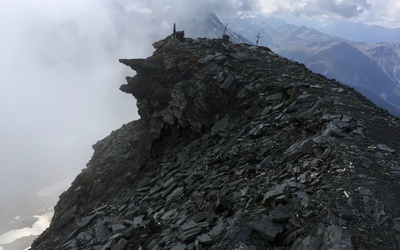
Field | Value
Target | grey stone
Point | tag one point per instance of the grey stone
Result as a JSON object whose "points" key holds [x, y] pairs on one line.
{"points": [[138, 220], [337, 238], [121, 244], [280, 214], [211, 67], [321, 102], [85, 221], [190, 234], [220, 125], [237, 229], [298, 148], [275, 97], [304, 199], [201, 216], [179, 246], [267, 229], [118, 228], [204, 239], [73, 234], [241, 56], [242, 93], [223, 203], [217, 230], [383, 147], [102, 232], [116, 236], [275, 192], [169, 214], [364, 191], [84, 236], [188, 225], [333, 130], [228, 83], [307, 243], [175, 194], [206, 60], [220, 58]]}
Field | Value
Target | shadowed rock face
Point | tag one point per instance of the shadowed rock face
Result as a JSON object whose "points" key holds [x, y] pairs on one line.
{"points": [[236, 147]]}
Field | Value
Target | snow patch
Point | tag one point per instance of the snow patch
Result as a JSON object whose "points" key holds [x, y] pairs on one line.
{"points": [[37, 228]]}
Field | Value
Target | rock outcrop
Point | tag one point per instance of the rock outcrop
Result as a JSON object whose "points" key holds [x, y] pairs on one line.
{"points": [[236, 148]]}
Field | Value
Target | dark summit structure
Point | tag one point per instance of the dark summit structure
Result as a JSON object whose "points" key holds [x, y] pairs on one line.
{"points": [[236, 148]]}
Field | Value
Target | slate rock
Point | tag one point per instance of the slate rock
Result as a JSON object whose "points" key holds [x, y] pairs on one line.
{"points": [[307, 243], [102, 231], [204, 239], [267, 229], [179, 246], [118, 228], [228, 83], [299, 148], [383, 147], [121, 244], [220, 125], [224, 203], [335, 237], [274, 97], [85, 221], [280, 214], [188, 225], [365, 191], [217, 230], [275, 192]]}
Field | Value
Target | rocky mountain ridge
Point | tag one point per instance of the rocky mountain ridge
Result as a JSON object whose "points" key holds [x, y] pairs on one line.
{"points": [[236, 148]]}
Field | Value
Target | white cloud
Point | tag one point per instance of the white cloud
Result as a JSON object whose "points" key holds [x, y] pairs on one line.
{"points": [[383, 12], [316, 7], [380, 12]]}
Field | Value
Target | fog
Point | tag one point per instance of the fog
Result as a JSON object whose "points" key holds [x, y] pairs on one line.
{"points": [[60, 78]]}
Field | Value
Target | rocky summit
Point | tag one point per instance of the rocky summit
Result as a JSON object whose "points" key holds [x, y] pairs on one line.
{"points": [[236, 148]]}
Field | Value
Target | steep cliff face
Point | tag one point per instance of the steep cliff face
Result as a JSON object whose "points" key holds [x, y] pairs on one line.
{"points": [[236, 148]]}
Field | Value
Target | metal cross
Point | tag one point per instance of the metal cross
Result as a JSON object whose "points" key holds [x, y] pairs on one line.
{"points": [[258, 37], [226, 26]]}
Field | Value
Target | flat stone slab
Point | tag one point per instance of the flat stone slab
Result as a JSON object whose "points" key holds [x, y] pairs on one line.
{"points": [[335, 237], [275, 192], [267, 229], [280, 214]]}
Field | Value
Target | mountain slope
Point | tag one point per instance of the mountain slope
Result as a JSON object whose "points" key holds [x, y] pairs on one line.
{"points": [[387, 57], [236, 147], [351, 66], [376, 69]]}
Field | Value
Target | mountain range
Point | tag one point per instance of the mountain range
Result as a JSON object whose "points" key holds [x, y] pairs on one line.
{"points": [[371, 68]]}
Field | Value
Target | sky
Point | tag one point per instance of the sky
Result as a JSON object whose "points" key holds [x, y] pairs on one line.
{"points": [[373, 12], [59, 72]]}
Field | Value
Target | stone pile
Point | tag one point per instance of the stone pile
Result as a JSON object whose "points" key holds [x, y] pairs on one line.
{"points": [[236, 148]]}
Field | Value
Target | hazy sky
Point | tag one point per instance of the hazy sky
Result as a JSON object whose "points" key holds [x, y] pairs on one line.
{"points": [[59, 72], [377, 12]]}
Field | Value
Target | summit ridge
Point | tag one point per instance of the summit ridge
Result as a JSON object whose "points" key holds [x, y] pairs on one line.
{"points": [[236, 148]]}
